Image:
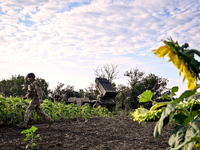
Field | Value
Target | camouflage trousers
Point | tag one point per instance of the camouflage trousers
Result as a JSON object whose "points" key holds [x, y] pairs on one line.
{"points": [[35, 105]]}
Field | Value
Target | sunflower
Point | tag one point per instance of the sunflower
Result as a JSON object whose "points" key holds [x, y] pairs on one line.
{"points": [[183, 59]]}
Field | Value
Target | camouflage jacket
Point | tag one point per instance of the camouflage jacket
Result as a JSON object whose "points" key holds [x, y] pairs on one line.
{"points": [[34, 90]]}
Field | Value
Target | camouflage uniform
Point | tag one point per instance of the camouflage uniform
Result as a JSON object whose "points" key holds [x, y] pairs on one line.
{"points": [[35, 93]]}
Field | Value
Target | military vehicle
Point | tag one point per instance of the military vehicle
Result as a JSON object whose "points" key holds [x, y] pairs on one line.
{"points": [[107, 92]]}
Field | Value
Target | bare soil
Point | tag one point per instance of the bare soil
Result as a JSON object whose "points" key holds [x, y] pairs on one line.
{"points": [[119, 133]]}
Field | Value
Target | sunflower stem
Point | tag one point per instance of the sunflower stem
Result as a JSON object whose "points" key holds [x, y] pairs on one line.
{"points": [[192, 51], [186, 112]]}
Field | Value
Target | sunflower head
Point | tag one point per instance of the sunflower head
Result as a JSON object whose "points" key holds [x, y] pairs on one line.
{"points": [[182, 58]]}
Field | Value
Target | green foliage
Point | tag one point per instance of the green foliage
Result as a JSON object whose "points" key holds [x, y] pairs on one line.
{"points": [[146, 96], [102, 112], [187, 133], [91, 91], [59, 92], [164, 119], [128, 96], [30, 136], [143, 115], [18, 85], [13, 86], [185, 137], [123, 97], [81, 92], [12, 110]]}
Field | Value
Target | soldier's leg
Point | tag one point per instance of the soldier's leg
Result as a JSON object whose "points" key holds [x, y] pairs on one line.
{"points": [[42, 114], [46, 118], [27, 115]]}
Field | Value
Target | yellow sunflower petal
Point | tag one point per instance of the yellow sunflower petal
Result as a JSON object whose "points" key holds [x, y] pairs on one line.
{"points": [[181, 68], [159, 50], [177, 61], [170, 55], [164, 52], [184, 78], [191, 79], [186, 71], [191, 85], [155, 52]]}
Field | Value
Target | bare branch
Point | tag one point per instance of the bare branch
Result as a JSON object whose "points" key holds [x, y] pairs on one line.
{"points": [[109, 71]]}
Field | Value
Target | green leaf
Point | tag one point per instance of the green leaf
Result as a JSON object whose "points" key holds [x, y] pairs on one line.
{"points": [[183, 96], [33, 144], [194, 139], [195, 96], [180, 118], [25, 131], [166, 97], [28, 135], [26, 139], [40, 139], [174, 89], [37, 136], [195, 113], [164, 119], [33, 129], [177, 136], [142, 111], [184, 137], [146, 96]]}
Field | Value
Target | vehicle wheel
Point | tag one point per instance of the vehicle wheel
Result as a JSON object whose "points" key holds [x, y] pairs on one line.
{"points": [[88, 104], [96, 105]]}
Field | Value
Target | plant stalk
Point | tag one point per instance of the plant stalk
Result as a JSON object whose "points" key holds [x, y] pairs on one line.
{"points": [[192, 51], [32, 140], [186, 112]]}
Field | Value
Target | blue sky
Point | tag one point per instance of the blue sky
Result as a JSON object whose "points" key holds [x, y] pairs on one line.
{"points": [[65, 40]]}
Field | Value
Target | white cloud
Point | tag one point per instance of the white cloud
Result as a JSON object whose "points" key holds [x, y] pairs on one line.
{"points": [[116, 27], [52, 31], [9, 19]]}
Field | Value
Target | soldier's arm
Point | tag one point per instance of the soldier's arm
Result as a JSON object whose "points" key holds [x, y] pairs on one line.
{"points": [[38, 90], [28, 93]]}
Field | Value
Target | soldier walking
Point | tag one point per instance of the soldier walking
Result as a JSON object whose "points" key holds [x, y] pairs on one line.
{"points": [[35, 93]]}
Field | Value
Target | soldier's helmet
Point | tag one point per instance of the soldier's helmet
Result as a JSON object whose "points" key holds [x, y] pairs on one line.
{"points": [[31, 75]]}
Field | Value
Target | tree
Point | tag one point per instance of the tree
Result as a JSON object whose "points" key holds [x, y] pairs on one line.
{"points": [[109, 71], [18, 85], [13, 86], [19, 88], [44, 86], [123, 97], [138, 83], [5, 88], [91, 91], [60, 92]]}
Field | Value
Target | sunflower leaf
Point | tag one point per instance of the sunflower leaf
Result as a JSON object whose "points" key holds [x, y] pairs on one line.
{"points": [[164, 119], [146, 96], [174, 89]]}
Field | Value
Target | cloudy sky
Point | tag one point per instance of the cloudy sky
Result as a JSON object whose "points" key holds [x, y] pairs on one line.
{"points": [[65, 40]]}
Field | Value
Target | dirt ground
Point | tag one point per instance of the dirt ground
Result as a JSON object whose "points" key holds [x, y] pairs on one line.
{"points": [[95, 134]]}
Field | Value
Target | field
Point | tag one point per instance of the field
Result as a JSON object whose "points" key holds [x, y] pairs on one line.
{"points": [[89, 128], [119, 133]]}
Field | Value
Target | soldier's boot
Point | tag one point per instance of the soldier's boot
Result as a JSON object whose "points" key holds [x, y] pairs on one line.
{"points": [[22, 125], [50, 123]]}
